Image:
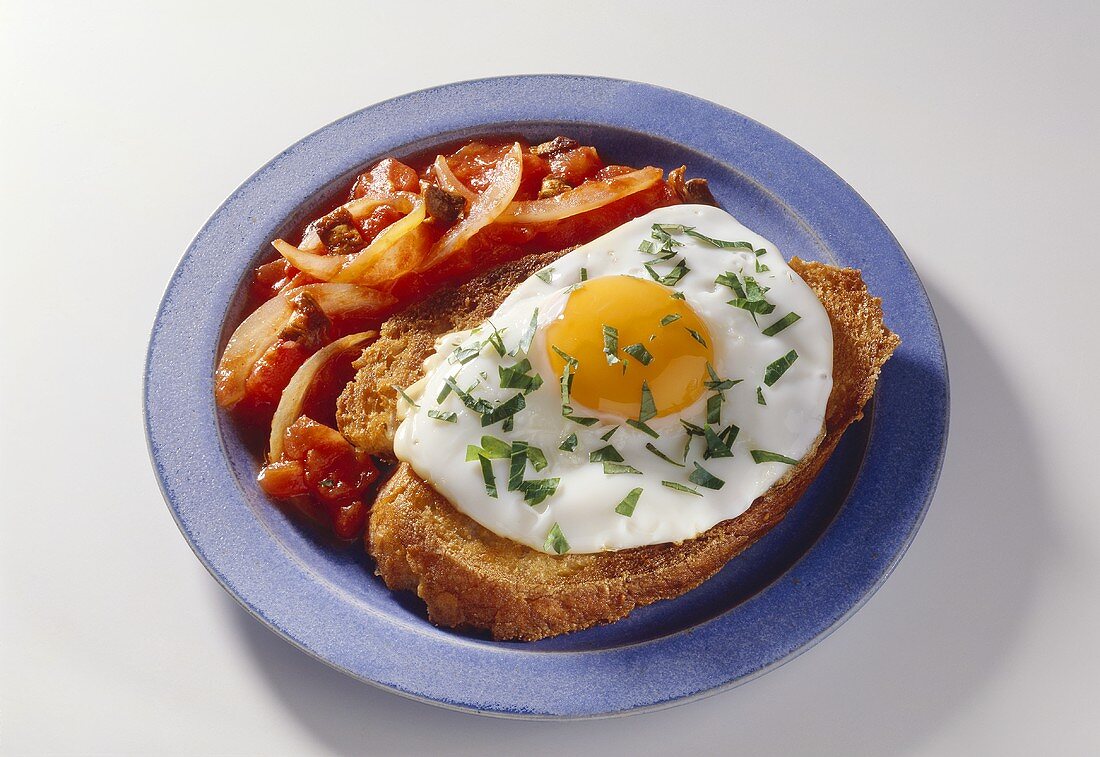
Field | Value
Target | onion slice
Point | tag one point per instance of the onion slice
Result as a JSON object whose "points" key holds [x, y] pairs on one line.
{"points": [[351, 268], [448, 181], [588, 196], [261, 329], [290, 404], [484, 208]]}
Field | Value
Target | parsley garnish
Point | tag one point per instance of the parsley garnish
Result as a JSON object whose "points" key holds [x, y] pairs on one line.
{"points": [[555, 541], [518, 376], [648, 407], [781, 324], [441, 416], [611, 468], [605, 453], [717, 446], [630, 501], [609, 434], [696, 336], [677, 295], [584, 274], [546, 274], [496, 340], [646, 247], [649, 446], [776, 369], [681, 488], [639, 353], [528, 334], [670, 318], [570, 443], [487, 476], [717, 384], [763, 456], [405, 397], [714, 407], [760, 397], [642, 427], [504, 410], [705, 478], [537, 490], [672, 277], [611, 344]]}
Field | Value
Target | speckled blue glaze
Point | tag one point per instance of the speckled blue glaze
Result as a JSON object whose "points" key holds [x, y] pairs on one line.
{"points": [[787, 592]]}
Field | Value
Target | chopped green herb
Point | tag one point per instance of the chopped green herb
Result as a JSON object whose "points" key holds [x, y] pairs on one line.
{"points": [[537, 490], [630, 501], [518, 377], [691, 428], [705, 478], [776, 369], [583, 420], [760, 397], [646, 247], [731, 280], [555, 541], [487, 476], [611, 468], [537, 458], [672, 277], [464, 355], [729, 435], [754, 290], [477, 405], [441, 416], [677, 295], [649, 446], [714, 408], [405, 397], [642, 427], [696, 336], [605, 453], [648, 407], [496, 340], [716, 445], [569, 359], [639, 353], [756, 307], [584, 274], [528, 334], [781, 324], [495, 448], [443, 393], [760, 267], [671, 318], [570, 443], [517, 465], [717, 384], [661, 234], [763, 456], [720, 243], [509, 424], [611, 344], [681, 488], [609, 434], [546, 274], [504, 410]]}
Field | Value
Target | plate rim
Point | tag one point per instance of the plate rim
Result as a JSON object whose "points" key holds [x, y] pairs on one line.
{"points": [[154, 377]]}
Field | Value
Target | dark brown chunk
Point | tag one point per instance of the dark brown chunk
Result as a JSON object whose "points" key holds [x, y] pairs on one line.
{"points": [[338, 233], [551, 186], [443, 206], [308, 324], [694, 191], [554, 146]]}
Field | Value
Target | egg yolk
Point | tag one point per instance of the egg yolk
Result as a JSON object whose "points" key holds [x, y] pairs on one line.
{"points": [[680, 349]]}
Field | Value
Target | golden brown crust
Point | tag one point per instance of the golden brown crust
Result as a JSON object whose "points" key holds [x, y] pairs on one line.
{"points": [[469, 576]]}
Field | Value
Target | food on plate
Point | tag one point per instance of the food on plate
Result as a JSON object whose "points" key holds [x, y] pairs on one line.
{"points": [[565, 389]]}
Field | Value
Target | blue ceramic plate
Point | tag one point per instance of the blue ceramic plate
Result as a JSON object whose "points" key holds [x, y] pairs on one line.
{"points": [[787, 592]]}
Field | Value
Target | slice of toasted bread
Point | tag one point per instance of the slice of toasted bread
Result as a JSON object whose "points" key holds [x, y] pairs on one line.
{"points": [[469, 576]]}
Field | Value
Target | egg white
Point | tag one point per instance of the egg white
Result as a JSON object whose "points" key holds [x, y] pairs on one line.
{"points": [[584, 503]]}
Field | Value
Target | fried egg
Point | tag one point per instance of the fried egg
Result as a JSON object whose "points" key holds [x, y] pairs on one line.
{"points": [[641, 389]]}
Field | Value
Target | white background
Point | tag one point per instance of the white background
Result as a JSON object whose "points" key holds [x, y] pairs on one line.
{"points": [[972, 129]]}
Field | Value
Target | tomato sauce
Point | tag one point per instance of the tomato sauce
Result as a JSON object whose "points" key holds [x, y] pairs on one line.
{"points": [[321, 473]]}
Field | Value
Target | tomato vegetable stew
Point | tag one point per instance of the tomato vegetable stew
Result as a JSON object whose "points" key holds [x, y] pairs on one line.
{"points": [[404, 232]]}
